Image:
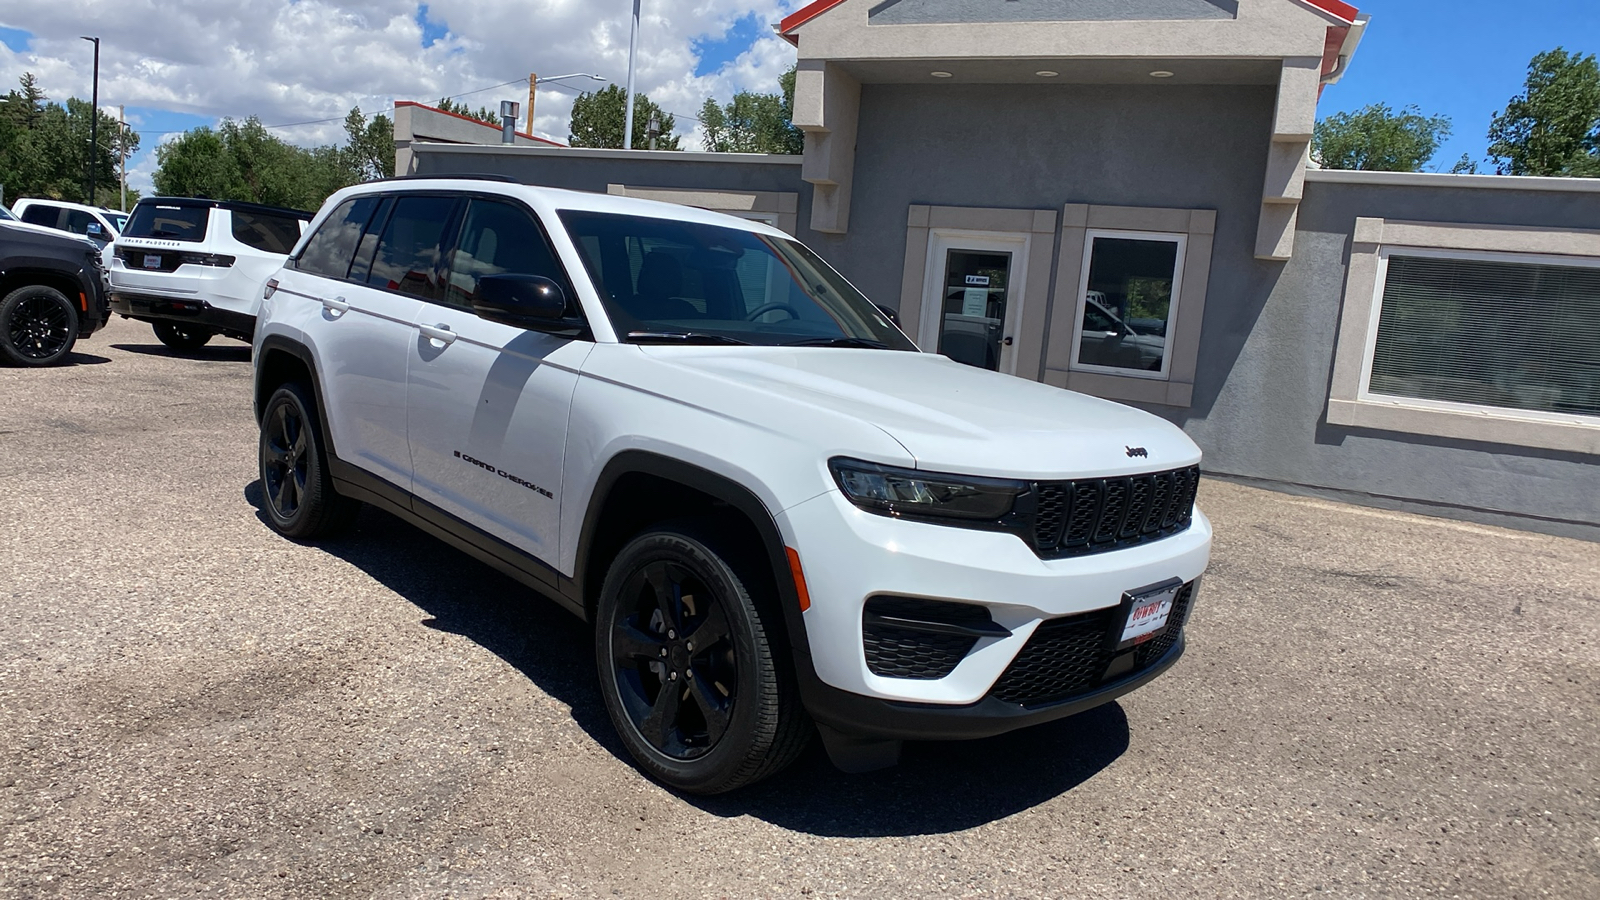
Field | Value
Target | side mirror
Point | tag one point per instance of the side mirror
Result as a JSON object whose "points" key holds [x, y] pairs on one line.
{"points": [[893, 317], [94, 230], [520, 300]]}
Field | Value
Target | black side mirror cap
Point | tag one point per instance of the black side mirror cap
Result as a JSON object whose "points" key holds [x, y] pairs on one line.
{"points": [[520, 300], [894, 317]]}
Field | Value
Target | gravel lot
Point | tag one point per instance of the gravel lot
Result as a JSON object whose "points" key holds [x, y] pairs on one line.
{"points": [[1373, 705]]}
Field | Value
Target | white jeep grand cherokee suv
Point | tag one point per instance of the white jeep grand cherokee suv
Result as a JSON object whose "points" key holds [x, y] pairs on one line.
{"points": [[194, 268], [777, 515]]}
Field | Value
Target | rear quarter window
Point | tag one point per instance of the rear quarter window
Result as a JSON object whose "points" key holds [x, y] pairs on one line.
{"points": [[333, 245], [270, 232], [40, 214], [170, 222]]}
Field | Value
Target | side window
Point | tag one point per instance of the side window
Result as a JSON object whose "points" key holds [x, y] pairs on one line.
{"points": [[407, 258], [329, 251], [78, 221], [499, 238], [274, 233], [40, 214]]}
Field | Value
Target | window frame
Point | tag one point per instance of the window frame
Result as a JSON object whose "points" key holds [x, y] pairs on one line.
{"points": [[1352, 404], [1174, 310], [1365, 393]]}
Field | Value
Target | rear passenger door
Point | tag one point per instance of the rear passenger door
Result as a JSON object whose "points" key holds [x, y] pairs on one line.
{"points": [[489, 402], [364, 277]]}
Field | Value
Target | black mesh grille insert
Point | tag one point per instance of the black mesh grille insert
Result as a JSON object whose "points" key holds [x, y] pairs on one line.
{"points": [[897, 652], [1069, 656], [1076, 518]]}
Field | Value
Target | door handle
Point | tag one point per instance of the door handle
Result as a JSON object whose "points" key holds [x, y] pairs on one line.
{"points": [[335, 305], [440, 333]]}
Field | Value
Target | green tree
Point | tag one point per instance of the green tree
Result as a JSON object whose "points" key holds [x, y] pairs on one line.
{"points": [[1379, 139], [598, 121], [461, 109], [754, 123], [45, 149], [1553, 127], [369, 146]]}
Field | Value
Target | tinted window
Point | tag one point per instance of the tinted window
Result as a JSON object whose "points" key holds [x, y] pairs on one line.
{"points": [[272, 232], [78, 221], [168, 221], [39, 214], [407, 259], [329, 251], [665, 275], [498, 238]]}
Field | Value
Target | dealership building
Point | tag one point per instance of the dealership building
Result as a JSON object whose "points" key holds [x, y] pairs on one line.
{"points": [[1116, 197]]}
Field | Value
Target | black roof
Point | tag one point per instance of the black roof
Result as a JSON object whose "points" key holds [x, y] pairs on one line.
{"points": [[227, 204]]}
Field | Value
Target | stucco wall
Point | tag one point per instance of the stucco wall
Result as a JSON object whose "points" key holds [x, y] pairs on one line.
{"points": [[1267, 359]]}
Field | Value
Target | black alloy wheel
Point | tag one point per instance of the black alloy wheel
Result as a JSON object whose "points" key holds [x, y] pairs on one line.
{"points": [[38, 326], [181, 336], [688, 670], [298, 493], [674, 660]]}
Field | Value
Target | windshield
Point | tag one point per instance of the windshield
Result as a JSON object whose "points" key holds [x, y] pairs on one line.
{"points": [[662, 279], [6, 215]]}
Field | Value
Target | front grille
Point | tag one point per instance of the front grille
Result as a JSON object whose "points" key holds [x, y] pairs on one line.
{"points": [[898, 652], [1069, 656], [1076, 518]]}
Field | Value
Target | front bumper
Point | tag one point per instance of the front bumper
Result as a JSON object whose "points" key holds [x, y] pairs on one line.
{"points": [[849, 555]]}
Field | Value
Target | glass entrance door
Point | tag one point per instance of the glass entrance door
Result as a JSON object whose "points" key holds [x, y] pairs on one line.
{"points": [[971, 298]]}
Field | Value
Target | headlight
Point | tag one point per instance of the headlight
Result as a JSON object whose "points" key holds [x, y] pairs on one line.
{"points": [[906, 492]]}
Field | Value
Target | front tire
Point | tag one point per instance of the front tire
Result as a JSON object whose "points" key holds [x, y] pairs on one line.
{"points": [[689, 665], [181, 337], [38, 326], [297, 487]]}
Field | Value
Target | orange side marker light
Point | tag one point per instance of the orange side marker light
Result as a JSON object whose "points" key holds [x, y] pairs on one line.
{"points": [[799, 578]]}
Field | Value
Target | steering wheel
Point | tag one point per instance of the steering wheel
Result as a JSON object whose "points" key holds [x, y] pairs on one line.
{"points": [[765, 308]]}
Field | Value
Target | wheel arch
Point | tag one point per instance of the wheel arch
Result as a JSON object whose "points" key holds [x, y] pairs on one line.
{"points": [[280, 360], [66, 282], [638, 488]]}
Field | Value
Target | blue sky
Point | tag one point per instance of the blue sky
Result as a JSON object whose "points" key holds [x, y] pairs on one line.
{"points": [[1460, 58]]}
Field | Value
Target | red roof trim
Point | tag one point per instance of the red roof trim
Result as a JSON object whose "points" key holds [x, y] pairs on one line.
{"points": [[1336, 8], [803, 15], [445, 112]]}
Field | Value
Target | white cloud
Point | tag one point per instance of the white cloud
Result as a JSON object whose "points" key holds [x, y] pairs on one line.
{"points": [[288, 61]]}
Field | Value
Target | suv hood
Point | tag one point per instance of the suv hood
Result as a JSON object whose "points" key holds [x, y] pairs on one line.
{"points": [[948, 416]]}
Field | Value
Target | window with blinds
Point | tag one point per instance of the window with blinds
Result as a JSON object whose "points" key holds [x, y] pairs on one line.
{"points": [[1488, 333]]}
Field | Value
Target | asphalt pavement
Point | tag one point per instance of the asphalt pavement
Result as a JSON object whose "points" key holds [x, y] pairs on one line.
{"points": [[1373, 704]]}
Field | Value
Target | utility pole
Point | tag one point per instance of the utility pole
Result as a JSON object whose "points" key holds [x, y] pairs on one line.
{"points": [[633, 51], [122, 153], [533, 83], [94, 119]]}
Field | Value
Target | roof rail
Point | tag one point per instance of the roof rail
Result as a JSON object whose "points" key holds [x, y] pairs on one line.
{"points": [[454, 176]]}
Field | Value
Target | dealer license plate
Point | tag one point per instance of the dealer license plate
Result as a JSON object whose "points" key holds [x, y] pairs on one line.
{"points": [[1149, 613], [152, 260]]}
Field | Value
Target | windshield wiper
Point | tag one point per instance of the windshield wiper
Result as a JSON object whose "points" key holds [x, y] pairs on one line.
{"points": [[681, 337], [865, 343]]}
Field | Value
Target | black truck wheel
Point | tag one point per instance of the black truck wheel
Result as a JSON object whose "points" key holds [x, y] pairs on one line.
{"points": [[38, 326]]}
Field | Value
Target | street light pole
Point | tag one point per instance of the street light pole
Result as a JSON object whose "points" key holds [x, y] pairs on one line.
{"points": [[535, 80], [94, 118], [122, 153], [633, 51]]}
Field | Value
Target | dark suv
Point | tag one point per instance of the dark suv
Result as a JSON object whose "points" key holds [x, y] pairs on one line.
{"points": [[53, 291]]}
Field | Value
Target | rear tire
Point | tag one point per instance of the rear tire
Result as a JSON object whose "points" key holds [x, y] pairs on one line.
{"points": [[180, 336], [689, 664], [296, 486], [38, 326]]}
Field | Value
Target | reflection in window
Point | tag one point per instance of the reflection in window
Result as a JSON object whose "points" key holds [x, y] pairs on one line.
{"points": [[498, 238], [1128, 302], [1490, 333], [407, 258], [329, 251]]}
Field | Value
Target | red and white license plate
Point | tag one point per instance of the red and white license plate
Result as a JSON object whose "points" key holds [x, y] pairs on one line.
{"points": [[1149, 613], [152, 260]]}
